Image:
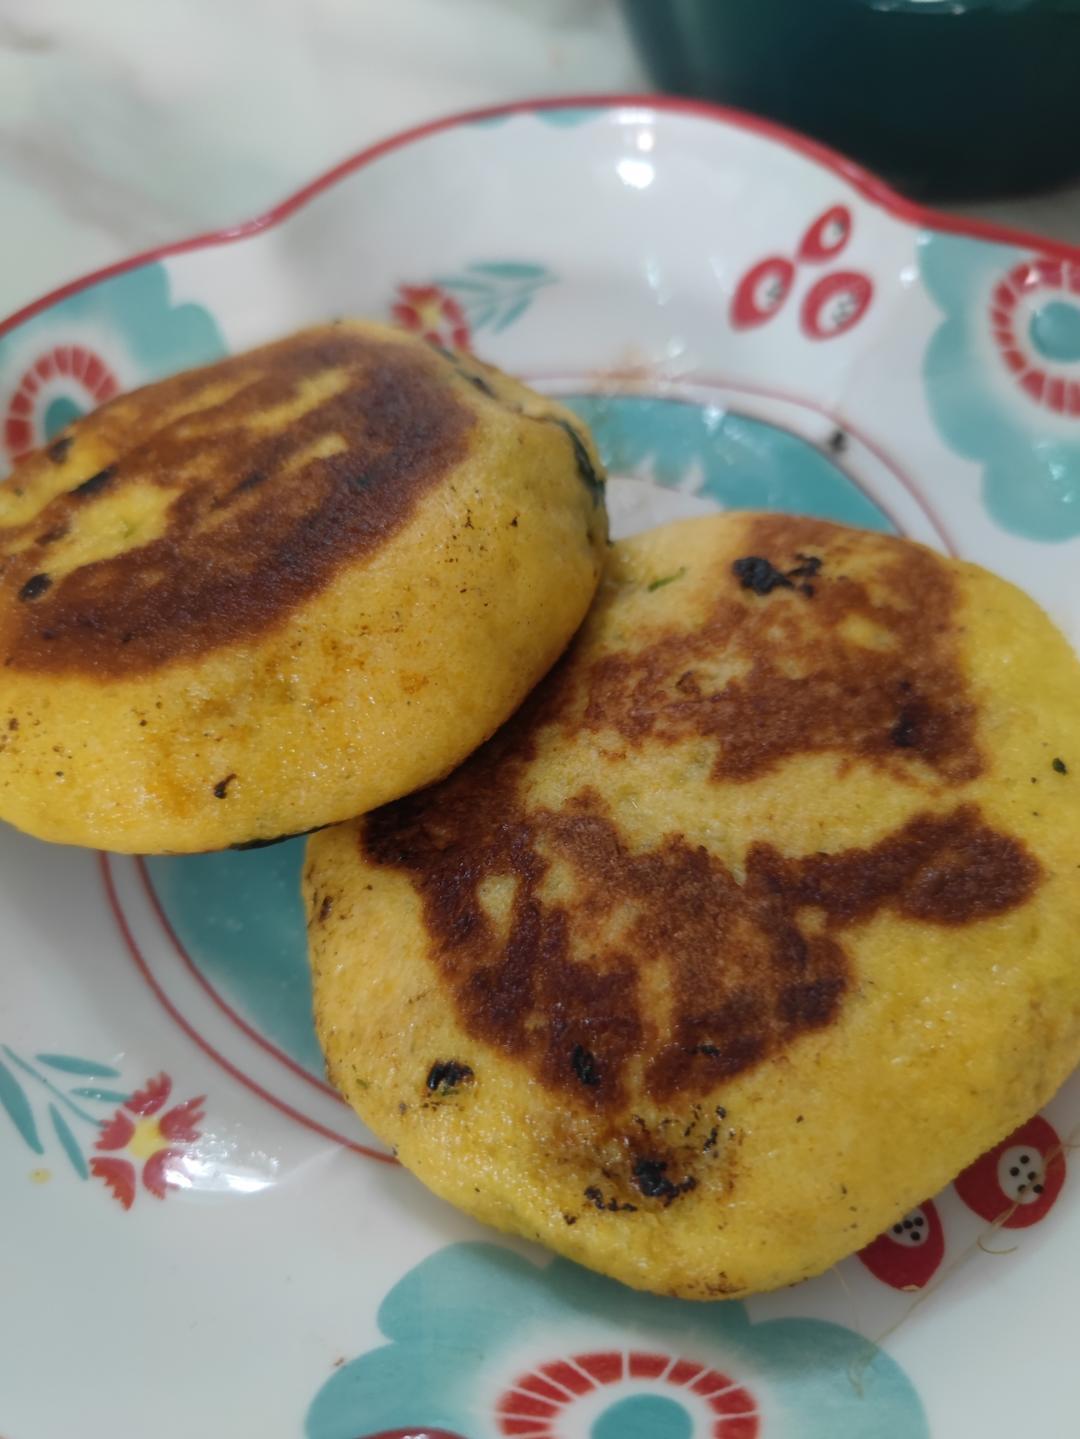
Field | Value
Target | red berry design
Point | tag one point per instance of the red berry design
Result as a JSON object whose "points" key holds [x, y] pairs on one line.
{"points": [[908, 1255], [1019, 1179], [761, 292], [827, 236], [834, 304]]}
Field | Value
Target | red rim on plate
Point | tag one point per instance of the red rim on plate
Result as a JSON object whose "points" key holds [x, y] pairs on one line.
{"points": [[867, 184]]}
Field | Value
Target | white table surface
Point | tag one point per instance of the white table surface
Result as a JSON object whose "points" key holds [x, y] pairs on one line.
{"points": [[128, 123]]}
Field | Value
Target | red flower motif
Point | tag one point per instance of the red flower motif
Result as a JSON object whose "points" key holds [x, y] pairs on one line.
{"points": [[67, 371], [119, 1175], [1014, 309], [116, 1132], [152, 1141], [429, 311], [180, 1122], [541, 1400], [150, 1098]]}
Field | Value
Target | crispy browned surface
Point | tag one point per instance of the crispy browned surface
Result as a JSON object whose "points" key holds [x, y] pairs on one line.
{"points": [[560, 993], [751, 929], [275, 592], [261, 519], [559, 990], [807, 686]]}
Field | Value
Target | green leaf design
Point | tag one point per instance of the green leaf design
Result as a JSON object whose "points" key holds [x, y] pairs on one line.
{"points": [[495, 292], [509, 270], [481, 317], [18, 1107], [509, 316], [67, 1065], [457, 282], [106, 1096], [69, 1143]]}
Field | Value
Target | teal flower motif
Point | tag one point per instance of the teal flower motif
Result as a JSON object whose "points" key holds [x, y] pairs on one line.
{"points": [[483, 1344], [121, 332], [741, 462], [1002, 380], [260, 965]]}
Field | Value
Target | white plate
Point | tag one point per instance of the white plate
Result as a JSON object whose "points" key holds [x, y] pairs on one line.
{"points": [[198, 1237]]}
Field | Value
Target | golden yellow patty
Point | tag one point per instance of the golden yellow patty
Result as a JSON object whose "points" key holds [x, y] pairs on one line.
{"points": [[755, 926], [275, 592]]}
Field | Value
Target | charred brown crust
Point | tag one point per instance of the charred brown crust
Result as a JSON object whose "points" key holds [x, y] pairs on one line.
{"points": [[747, 962], [259, 520], [807, 687]]}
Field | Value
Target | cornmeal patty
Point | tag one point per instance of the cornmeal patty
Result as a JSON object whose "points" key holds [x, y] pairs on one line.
{"points": [[273, 593], [754, 926]]}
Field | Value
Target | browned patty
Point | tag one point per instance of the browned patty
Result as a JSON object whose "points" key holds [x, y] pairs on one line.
{"points": [[274, 592], [747, 933], [560, 991], [231, 565]]}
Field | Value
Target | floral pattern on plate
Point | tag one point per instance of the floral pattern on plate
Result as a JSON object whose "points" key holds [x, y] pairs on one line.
{"points": [[1002, 381], [144, 1139], [943, 397], [85, 349], [832, 304], [140, 1138], [489, 294], [483, 1343]]}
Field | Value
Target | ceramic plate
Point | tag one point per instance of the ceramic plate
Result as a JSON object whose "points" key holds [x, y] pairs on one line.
{"points": [[198, 1237]]}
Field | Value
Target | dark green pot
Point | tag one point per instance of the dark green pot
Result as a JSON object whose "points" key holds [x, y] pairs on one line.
{"points": [[945, 98]]}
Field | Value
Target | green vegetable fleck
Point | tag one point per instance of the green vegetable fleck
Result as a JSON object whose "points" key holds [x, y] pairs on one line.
{"points": [[666, 580]]}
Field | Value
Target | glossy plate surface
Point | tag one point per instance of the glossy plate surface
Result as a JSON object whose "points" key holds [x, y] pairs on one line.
{"points": [[198, 1236]]}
